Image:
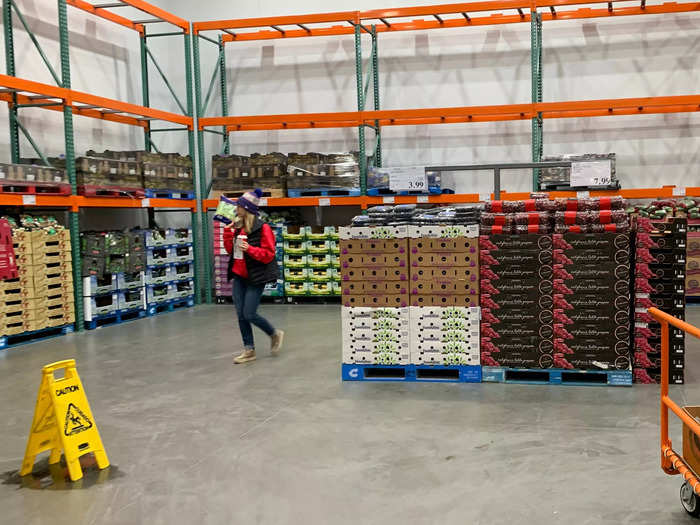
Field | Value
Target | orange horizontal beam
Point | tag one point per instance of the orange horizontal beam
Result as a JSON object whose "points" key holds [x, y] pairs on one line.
{"points": [[121, 202], [70, 97], [159, 13], [79, 201], [386, 19], [93, 113], [107, 15], [245, 23], [145, 7], [570, 109], [458, 198]]}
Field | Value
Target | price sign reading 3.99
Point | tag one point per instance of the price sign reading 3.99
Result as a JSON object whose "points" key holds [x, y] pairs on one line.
{"points": [[408, 178]]}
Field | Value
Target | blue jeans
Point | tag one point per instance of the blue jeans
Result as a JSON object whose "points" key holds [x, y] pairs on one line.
{"points": [[246, 297]]}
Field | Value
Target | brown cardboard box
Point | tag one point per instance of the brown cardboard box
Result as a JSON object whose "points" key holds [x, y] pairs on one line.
{"points": [[385, 246], [442, 273], [691, 442], [445, 300], [444, 287], [395, 301], [375, 287], [45, 258], [455, 245]]}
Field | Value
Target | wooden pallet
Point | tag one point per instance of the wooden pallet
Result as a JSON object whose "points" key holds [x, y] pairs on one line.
{"points": [[270, 193]]}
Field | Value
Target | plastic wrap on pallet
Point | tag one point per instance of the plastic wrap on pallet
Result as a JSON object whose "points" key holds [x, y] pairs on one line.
{"points": [[560, 177], [378, 179]]}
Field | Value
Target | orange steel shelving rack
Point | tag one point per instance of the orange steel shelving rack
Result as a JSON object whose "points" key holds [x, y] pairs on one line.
{"points": [[21, 93]]}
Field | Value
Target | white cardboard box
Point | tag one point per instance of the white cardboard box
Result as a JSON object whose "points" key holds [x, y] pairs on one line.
{"points": [[433, 358], [373, 232], [443, 231], [444, 312], [359, 312]]}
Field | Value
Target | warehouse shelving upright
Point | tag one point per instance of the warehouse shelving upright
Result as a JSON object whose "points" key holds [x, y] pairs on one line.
{"points": [[20, 93]]}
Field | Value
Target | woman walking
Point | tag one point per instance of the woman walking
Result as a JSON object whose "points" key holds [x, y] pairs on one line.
{"points": [[251, 244]]}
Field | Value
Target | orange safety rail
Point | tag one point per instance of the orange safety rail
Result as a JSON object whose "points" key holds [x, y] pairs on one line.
{"points": [[460, 15], [92, 105], [156, 12], [671, 462], [411, 117]]}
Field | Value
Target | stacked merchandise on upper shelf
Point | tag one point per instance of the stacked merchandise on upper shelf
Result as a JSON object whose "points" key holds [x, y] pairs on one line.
{"points": [[31, 177], [661, 253], [692, 276], [164, 175], [238, 173], [169, 269], [559, 178], [410, 290], [113, 276], [311, 261], [293, 175], [319, 174], [41, 296], [556, 285], [379, 183]]}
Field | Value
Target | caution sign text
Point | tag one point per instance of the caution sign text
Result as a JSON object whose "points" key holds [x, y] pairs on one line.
{"points": [[63, 422]]}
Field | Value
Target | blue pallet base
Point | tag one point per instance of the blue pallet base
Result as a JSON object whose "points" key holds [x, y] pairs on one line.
{"points": [[412, 373], [169, 306], [116, 317], [324, 192], [169, 194], [557, 376], [386, 192], [9, 341]]}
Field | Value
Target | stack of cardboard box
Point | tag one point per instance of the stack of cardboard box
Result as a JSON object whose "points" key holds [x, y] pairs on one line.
{"points": [[311, 261], [374, 272], [376, 335], [444, 265], [516, 301], [42, 294], [111, 257], [443, 335], [169, 265], [592, 301], [435, 271], [660, 282]]}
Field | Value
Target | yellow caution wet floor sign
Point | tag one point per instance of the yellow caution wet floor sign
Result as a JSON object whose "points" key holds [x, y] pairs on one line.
{"points": [[63, 422]]}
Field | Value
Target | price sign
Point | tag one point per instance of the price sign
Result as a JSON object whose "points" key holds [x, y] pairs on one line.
{"points": [[408, 178], [324, 202], [29, 200], [145, 203], [590, 173]]}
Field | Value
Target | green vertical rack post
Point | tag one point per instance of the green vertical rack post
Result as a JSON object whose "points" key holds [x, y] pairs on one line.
{"points": [[197, 173], [224, 94], [536, 73], [74, 216], [10, 70], [375, 85], [203, 187], [360, 107]]}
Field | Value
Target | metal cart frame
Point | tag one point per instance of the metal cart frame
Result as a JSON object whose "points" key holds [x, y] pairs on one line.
{"points": [[673, 463]]}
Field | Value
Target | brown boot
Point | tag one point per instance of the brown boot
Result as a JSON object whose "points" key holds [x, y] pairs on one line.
{"points": [[276, 342], [246, 356]]}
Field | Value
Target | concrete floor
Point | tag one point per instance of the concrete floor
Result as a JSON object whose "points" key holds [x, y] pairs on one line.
{"points": [[196, 440]]}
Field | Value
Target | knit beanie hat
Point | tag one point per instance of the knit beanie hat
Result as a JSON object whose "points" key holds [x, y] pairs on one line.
{"points": [[250, 200]]}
